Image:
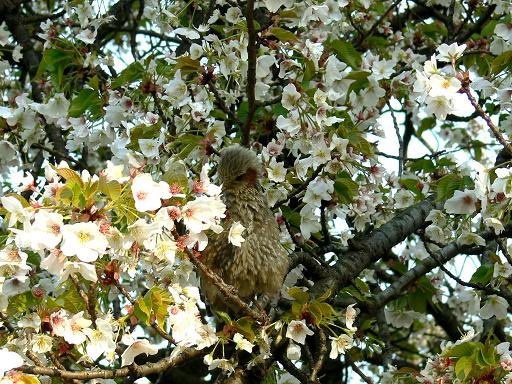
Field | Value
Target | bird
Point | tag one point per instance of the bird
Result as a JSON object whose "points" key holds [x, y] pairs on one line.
{"points": [[258, 266]]}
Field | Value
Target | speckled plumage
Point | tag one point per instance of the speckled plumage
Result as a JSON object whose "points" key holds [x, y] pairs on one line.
{"points": [[259, 265]]}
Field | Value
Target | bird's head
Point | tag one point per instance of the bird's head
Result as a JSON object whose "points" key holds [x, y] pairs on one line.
{"points": [[238, 166]]}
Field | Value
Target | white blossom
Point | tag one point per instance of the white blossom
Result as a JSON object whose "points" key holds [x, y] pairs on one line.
{"points": [[136, 348], [450, 52], [235, 234], [293, 351], [83, 240], [203, 213], [88, 36], [339, 345], [298, 330], [290, 97], [148, 193], [42, 343], [494, 306], [242, 343], [462, 202], [404, 198], [9, 360], [46, 230]]}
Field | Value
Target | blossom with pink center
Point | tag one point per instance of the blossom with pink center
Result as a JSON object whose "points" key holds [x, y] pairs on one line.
{"points": [[148, 193], [298, 330]]}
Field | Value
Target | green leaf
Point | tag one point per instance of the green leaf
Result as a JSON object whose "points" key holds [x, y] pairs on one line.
{"points": [[463, 367], [224, 316], [357, 75], [142, 311], [501, 62], [143, 131], [463, 350], [64, 195], [187, 64], [244, 326], [55, 61], [424, 165], [158, 300], [447, 185], [309, 70], [361, 285], [484, 63], [298, 294], [345, 188], [347, 53], [433, 30], [21, 303], [132, 72], [69, 175], [87, 100], [111, 189], [27, 379], [270, 376], [488, 29], [483, 274], [377, 42], [283, 34], [327, 310], [315, 311], [426, 124]]}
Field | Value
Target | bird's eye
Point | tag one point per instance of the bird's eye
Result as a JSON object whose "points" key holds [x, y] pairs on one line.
{"points": [[239, 178]]}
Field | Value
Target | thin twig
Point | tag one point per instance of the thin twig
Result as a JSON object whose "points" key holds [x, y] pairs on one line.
{"points": [[292, 369], [465, 89], [441, 266], [38, 18], [31, 355], [59, 154], [91, 295], [451, 12], [357, 370], [161, 112], [401, 154], [222, 105], [154, 324], [301, 187], [81, 292], [384, 15], [227, 290], [503, 248]]}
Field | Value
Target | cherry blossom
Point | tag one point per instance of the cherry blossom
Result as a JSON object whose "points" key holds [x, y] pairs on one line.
{"points": [[339, 345], [462, 202], [298, 330], [135, 348], [235, 234], [9, 360], [148, 193], [83, 240]]}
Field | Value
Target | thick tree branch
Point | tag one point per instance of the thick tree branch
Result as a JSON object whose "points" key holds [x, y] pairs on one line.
{"points": [[443, 255], [378, 243]]}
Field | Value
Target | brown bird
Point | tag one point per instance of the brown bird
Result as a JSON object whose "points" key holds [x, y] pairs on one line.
{"points": [[258, 266]]}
